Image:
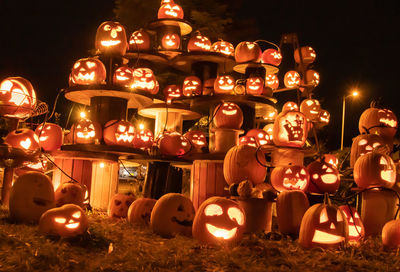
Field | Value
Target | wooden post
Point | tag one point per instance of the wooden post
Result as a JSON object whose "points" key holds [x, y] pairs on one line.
{"points": [[7, 184], [106, 108]]}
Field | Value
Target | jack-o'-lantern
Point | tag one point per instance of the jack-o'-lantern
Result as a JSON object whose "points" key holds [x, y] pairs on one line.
{"points": [[174, 144], [85, 131], [223, 47], [324, 177], [310, 108], [363, 144], [139, 41], [374, 169], [111, 38], [290, 129], [170, 11], [172, 92], [271, 56], [272, 81], [119, 133], [247, 51], [219, 221], [197, 138], [119, 205], [199, 42], [24, 138], [143, 139], [290, 106], [172, 214], [171, 41], [269, 129], [307, 53], [123, 76], [144, 79], [192, 86], [248, 140], [69, 193], [271, 115], [224, 84], [88, 71], [323, 117], [290, 177], [291, 79], [260, 135], [30, 196], [323, 225], [67, 221], [391, 234], [331, 159], [378, 121], [244, 162], [312, 78], [228, 115], [50, 136], [254, 85], [17, 97], [354, 223], [139, 211]]}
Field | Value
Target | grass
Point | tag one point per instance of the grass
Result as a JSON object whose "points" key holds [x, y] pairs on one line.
{"points": [[113, 245]]}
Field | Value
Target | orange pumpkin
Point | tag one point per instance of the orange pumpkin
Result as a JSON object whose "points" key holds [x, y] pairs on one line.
{"points": [[310, 108], [290, 129], [291, 79], [354, 223], [223, 47], [119, 205], [378, 121], [272, 81], [307, 53], [25, 139], [120, 133], [228, 115], [50, 136], [199, 42], [271, 56], [324, 177], [192, 86], [391, 234], [88, 71], [290, 106], [111, 38], [224, 84], [290, 177], [174, 144], [363, 144], [139, 211], [247, 51], [170, 11], [69, 193], [171, 41], [85, 131], [123, 76], [139, 41], [255, 85], [261, 136]]}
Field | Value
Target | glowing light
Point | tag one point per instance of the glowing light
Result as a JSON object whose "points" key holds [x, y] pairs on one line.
{"points": [[82, 114], [101, 165], [326, 238], [141, 126], [221, 233]]}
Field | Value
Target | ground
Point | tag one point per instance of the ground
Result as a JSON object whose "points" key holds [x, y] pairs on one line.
{"points": [[113, 245]]}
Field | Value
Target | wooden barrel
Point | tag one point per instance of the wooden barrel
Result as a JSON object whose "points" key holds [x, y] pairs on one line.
{"points": [[258, 214]]}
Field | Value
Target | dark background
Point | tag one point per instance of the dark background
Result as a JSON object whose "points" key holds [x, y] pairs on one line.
{"points": [[356, 43]]}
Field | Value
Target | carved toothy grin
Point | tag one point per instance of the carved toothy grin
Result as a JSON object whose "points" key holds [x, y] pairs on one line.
{"points": [[170, 43], [122, 78], [294, 183], [124, 137], [86, 76], [326, 238], [254, 88], [135, 41], [229, 112], [72, 225], [110, 43], [226, 88], [85, 135], [144, 85], [329, 178], [171, 13], [388, 122], [221, 233]]}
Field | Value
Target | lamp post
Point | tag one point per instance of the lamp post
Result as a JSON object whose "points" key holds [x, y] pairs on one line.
{"points": [[354, 94]]}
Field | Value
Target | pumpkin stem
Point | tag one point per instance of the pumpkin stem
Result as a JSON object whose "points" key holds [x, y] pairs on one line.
{"points": [[327, 200]]}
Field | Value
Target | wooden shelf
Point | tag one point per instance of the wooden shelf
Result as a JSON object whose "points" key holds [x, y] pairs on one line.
{"points": [[184, 61], [269, 69]]}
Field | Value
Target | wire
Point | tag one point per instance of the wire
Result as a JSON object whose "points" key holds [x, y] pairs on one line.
{"points": [[62, 171], [130, 174], [269, 43]]}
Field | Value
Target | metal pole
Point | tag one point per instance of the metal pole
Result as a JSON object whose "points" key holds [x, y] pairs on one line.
{"points": [[343, 113]]}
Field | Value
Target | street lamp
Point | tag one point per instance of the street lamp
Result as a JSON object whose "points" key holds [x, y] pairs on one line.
{"points": [[354, 94]]}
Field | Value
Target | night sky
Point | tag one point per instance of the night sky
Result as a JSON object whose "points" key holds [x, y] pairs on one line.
{"points": [[356, 44]]}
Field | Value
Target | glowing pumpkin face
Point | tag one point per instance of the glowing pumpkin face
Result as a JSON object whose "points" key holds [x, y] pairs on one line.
{"points": [[172, 92], [307, 53], [224, 84], [312, 78], [50, 136], [291, 177], [219, 221], [260, 135], [247, 51], [363, 144], [144, 79], [170, 10], [291, 79], [248, 140], [199, 43], [223, 47], [123, 76], [269, 129], [271, 56], [192, 86], [378, 121], [324, 177], [354, 223], [324, 117], [331, 159], [119, 133], [86, 132], [173, 144], [171, 41], [290, 106], [139, 211], [69, 193], [17, 97], [143, 139], [25, 139], [67, 221], [228, 115], [310, 108], [197, 139], [88, 71], [119, 205], [290, 129], [254, 85], [139, 41], [271, 115], [111, 38], [272, 81]]}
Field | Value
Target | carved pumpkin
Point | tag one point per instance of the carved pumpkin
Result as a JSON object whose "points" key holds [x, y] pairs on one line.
{"points": [[172, 214], [269, 129], [224, 84], [378, 121], [391, 234], [69, 193], [111, 38], [30, 196], [272, 81], [67, 221], [197, 139], [260, 135], [119, 205], [119, 133], [88, 71], [312, 78], [290, 177], [172, 92], [247, 51], [192, 86], [85, 131], [25, 139], [248, 140], [228, 115], [310, 108], [323, 117], [354, 223], [324, 177], [331, 159], [199, 42], [144, 79], [50, 136], [271, 115], [254, 85], [123, 76], [219, 221], [271, 56], [307, 53], [363, 144], [171, 41], [143, 139], [290, 106], [290, 129], [170, 10], [223, 47], [174, 144], [139, 211], [374, 169], [139, 41], [291, 79]]}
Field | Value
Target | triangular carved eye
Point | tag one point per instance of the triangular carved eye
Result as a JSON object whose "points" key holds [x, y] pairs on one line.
{"points": [[339, 217], [303, 172], [323, 216], [288, 171]]}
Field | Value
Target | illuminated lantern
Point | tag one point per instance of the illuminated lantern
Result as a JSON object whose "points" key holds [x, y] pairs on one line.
{"points": [[310, 108], [50, 136], [67, 221], [271, 115], [312, 77], [248, 140], [269, 129], [85, 131], [272, 81], [363, 144], [228, 115], [223, 47], [331, 159], [260, 135], [307, 53], [144, 79], [139, 41], [290, 106], [88, 71], [291, 79], [123, 76], [156, 89], [354, 223], [247, 51], [290, 177], [24, 138], [378, 121], [17, 97], [199, 42], [391, 234], [172, 214], [192, 86], [271, 56], [208, 86], [219, 221], [172, 92], [254, 85], [323, 117], [290, 129], [323, 225], [143, 139], [197, 139], [224, 84], [171, 41], [324, 177], [30, 196], [170, 11], [119, 133], [374, 169], [119, 205], [174, 144], [244, 162], [111, 38], [139, 211], [69, 193]]}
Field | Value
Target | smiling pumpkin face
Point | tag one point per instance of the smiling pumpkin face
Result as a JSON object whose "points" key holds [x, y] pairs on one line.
{"points": [[228, 115], [111, 38], [172, 92], [198, 43], [192, 86], [120, 133], [311, 109], [272, 81], [324, 177], [123, 76], [291, 79], [223, 47], [171, 11], [291, 177], [86, 131], [261, 136], [363, 144], [378, 121], [119, 205], [171, 41], [254, 85], [88, 71], [224, 84], [197, 139]]}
